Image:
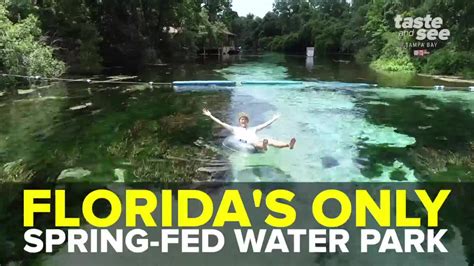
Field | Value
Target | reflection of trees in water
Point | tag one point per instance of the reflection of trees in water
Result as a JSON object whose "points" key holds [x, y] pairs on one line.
{"points": [[22, 120], [395, 79], [27, 122]]}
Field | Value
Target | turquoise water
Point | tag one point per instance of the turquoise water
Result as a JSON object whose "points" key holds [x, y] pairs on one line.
{"points": [[326, 123], [330, 124], [344, 132]]}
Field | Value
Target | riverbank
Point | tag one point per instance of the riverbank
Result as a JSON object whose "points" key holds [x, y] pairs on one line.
{"points": [[448, 78], [406, 66]]}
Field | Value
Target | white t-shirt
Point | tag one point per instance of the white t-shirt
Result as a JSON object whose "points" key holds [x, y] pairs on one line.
{"points": [[246, 134]]}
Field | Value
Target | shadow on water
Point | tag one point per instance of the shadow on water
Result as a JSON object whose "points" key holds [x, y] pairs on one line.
{"points": [[329, 162], [263, 172], [345, 69]]}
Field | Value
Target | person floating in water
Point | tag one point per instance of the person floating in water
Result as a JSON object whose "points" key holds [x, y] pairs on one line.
{"points": [[247, 134]]}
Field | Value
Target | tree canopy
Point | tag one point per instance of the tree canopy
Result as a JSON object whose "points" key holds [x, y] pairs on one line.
{"points": [[364, 28], [90, 34]]}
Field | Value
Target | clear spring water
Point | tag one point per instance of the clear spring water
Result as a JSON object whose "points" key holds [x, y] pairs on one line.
{"points": [[112, 133], [344, 133], [329, 123]]}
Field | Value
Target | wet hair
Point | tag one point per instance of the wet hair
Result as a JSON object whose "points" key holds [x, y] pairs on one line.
{"points": [[242, 114]]}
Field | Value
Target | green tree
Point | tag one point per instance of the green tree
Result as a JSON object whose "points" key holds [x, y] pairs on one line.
{"points": [[70, 25], [21, 50]]}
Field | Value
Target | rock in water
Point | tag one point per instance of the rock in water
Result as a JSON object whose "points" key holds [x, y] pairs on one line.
{"points": [[119, 175], [329, 162], [73, 174]]}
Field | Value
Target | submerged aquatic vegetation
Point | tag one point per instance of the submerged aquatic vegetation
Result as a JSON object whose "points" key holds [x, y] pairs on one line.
{"points": [[70, 157], [177, 122], [16, 172], [147, 147], [440, 123], [432, 162], [12, 177], [163, 171]]}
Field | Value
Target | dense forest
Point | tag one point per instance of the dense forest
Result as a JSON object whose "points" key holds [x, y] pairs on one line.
{"points": [[365, 29], [89, 34], [50, 37]]}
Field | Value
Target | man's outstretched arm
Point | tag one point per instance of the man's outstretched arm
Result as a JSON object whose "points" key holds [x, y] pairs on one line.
{"points": [[224, 125], [268, 123]]}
